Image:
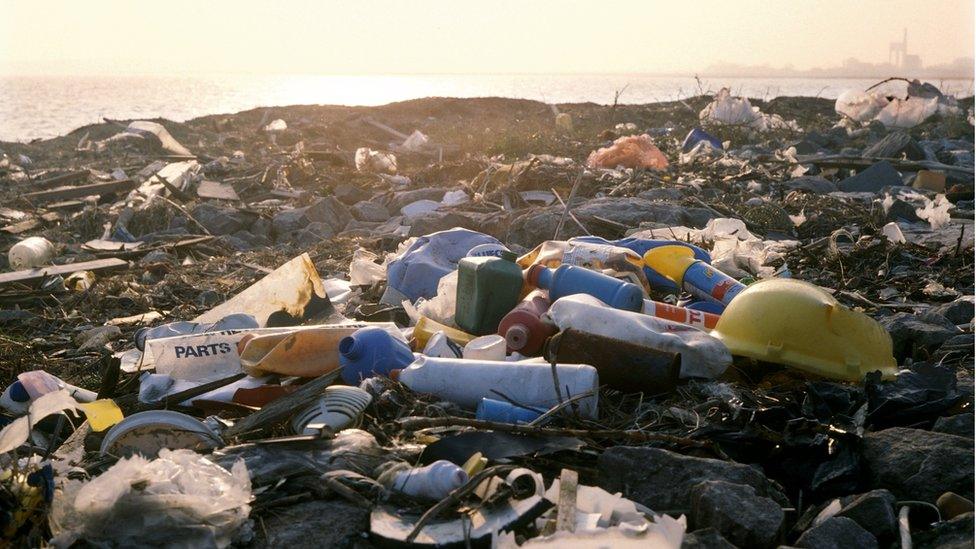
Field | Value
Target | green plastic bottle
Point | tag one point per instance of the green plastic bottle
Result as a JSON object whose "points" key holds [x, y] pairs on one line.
{"points": [[487, 289]]}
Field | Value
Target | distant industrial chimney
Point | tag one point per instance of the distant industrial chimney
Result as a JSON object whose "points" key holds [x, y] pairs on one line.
{"points": [[898, 50]]}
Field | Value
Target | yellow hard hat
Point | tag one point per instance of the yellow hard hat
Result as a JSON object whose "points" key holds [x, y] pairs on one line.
{"points": [[798, 324]]}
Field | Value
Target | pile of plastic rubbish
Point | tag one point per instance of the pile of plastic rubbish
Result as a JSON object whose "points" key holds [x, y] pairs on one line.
{"points": [[632, 362]]}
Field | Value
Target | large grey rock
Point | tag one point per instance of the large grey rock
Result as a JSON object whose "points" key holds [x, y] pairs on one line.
{"points": [[427, 223], [912, 332], [402, 198], [960, 311], [350, 194], [735, 511], [220, 220], [951, 534], [960, 425], [663, 193], [630, 212], [810, 183], [837, 533], [919, 465], [662, 480], [313, 524], [330, 211], [895, 145], [705, 538], [875, 512], [373, 212], [873, 179]]}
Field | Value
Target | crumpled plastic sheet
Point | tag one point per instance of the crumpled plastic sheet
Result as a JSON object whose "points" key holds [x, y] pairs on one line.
{"points": [[860, 106], [737, 111], [634, 151], [351, 449], [180, 499]]}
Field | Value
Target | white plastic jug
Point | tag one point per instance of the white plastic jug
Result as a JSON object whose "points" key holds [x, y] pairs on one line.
{"points": [[434, 481], [466, 382]]}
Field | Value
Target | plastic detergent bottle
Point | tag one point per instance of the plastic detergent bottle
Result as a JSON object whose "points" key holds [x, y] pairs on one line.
{"points": [[487, 288], [523, 328], [685, 315], [569, 280], [466, 382], [698, 278], [371, 351], [490, 409]]}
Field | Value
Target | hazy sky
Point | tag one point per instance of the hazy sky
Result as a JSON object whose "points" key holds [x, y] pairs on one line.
{"points": [[461, 36]]}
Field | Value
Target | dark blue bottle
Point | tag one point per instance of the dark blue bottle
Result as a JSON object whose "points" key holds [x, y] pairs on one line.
{"points": [[570, 280]]}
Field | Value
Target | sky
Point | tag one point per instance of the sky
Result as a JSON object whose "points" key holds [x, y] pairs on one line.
{"points": [[40, 37]]}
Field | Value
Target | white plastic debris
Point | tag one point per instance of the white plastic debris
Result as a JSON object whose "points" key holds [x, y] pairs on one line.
{"points": [[363, 269], [180, 498], [733, 111], [434, 481], [860, 106], [893, 233], [906, 113], [17, 431], [415, 142], [368, 160], [936, 212], [277, 125]]}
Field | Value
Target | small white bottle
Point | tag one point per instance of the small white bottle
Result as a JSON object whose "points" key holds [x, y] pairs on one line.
{"points": [[466, 382], [29, 253], [434, 481]]}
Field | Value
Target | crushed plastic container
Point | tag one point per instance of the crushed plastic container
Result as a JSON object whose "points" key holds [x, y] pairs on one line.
{"points": [[695, 276], [490, 409], [622, 364], [593, 253], [371, 351], [523, 327], [702, 356], [466, 382], [414, 273], [569, 280], [426, 328], [29, 253], [487, 289]]}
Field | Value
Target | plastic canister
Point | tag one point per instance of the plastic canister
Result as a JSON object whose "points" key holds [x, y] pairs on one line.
{"points": [[490, 409], [487, 289], [35, 251], [340, 408], [523, 328], [415, 272], [466, 382], [569, 280], [371, 351], [698, 278]]}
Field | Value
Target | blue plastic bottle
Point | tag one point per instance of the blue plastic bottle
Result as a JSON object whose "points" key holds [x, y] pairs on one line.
{"points": [[369, 352], [490, 409], [641, 245], [570, 279]]}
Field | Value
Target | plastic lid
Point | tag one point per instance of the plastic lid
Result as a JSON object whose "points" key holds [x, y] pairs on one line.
{"points": [[516, 336], [18, 393]]}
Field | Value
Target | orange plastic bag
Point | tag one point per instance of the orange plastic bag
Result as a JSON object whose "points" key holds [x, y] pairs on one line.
{"points": [[633, 151]]}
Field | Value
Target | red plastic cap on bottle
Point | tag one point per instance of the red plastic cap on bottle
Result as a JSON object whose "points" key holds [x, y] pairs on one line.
{"points": [[517, 336], [395, 374], [532, 275]]}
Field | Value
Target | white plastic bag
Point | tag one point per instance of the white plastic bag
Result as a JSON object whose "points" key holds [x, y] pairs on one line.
{"points": [[906, 113], [363, 269], [860, 106], [180, 499], [735, 111]]}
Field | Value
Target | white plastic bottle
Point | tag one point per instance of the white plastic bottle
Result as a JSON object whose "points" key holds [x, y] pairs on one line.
{"points": [[466, 382], [434, 481], [35, 251]]}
